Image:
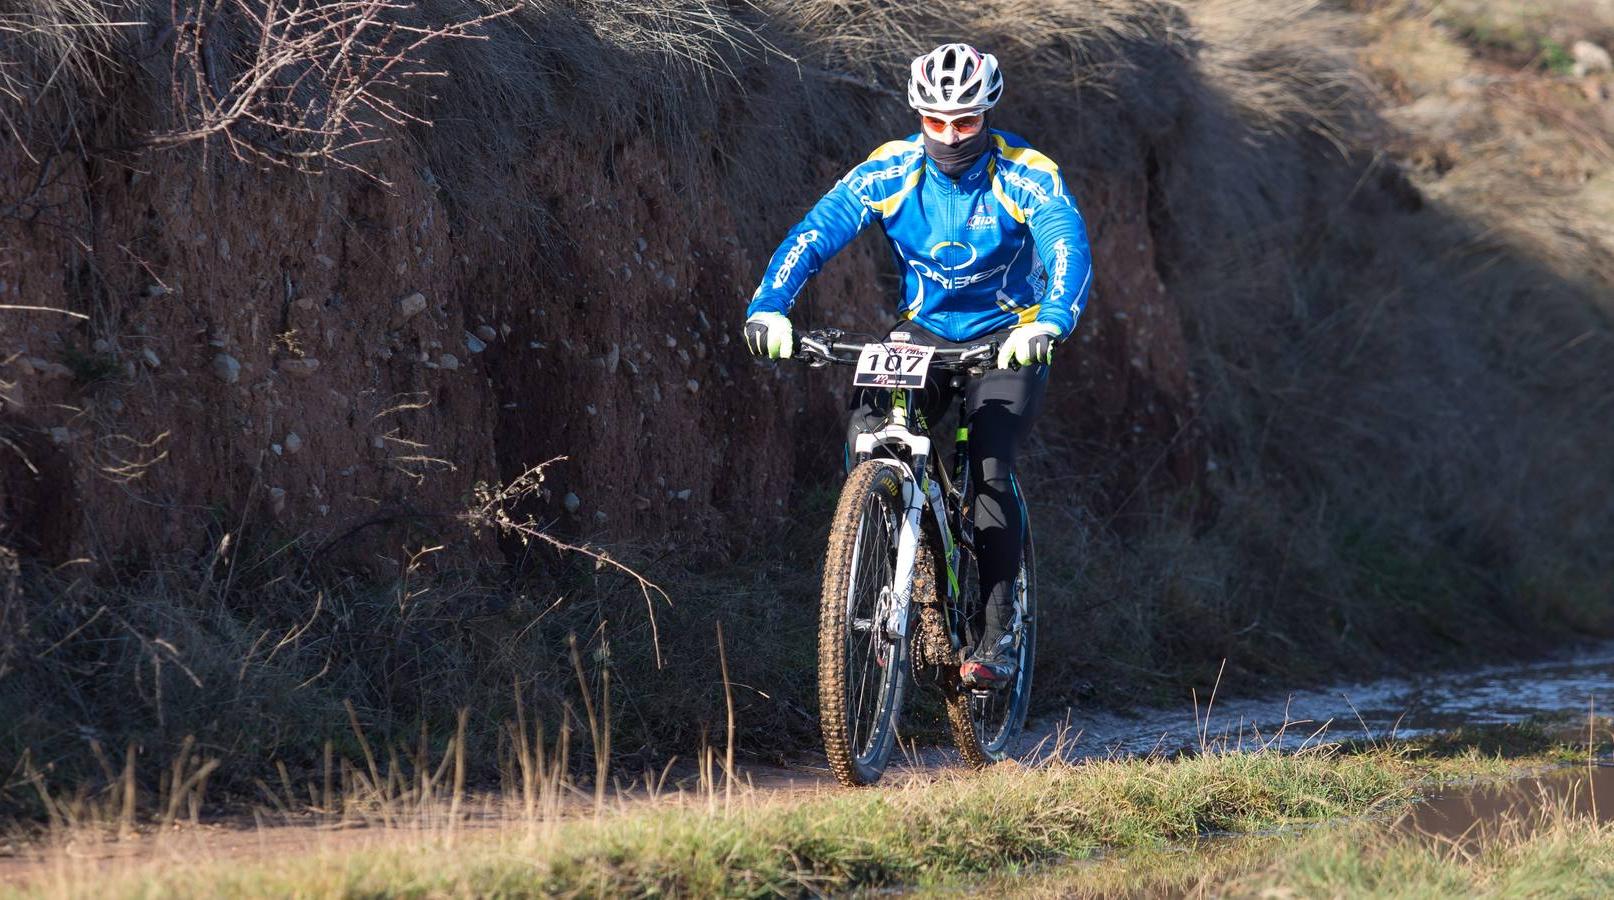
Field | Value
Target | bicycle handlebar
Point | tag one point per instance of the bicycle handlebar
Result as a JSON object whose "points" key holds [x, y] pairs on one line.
{"points": [[824, 346]]}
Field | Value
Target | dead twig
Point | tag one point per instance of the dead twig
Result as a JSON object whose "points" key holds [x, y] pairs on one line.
{"points": [[494, 512]]}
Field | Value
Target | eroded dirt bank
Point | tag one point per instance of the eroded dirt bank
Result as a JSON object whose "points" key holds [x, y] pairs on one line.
{"points": [[319, 353]]}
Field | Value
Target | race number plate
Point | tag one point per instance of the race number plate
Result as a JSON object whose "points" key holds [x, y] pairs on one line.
{"points": [[893, 366]]}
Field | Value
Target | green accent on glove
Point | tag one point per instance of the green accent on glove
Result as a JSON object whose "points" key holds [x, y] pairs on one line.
{"points": [[780, 342], [1028, 345]]}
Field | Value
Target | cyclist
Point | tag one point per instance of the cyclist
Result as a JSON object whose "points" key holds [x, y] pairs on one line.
{"points": [[990, 245]]}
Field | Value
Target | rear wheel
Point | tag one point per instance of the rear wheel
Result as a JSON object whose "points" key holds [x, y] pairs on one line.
{"points": [[985, 723], [861, 669]]}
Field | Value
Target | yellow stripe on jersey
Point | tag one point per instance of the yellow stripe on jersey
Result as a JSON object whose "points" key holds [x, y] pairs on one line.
{"points": [[1026, 156], [1013, 208], [889, 205], [892, 148]]}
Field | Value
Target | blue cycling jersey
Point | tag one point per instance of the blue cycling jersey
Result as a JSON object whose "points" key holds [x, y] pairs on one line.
{"points": [[1001, 246]]}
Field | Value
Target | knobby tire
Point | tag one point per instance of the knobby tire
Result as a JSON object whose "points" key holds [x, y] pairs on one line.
{"points": [[858, 739], [982, 743]]}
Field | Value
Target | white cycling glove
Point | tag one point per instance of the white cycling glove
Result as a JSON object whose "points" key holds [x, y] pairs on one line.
{"points": [[1028, 344], [769, 335]]}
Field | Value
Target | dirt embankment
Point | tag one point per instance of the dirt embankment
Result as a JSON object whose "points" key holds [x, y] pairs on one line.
{"points": [[323, 354]]}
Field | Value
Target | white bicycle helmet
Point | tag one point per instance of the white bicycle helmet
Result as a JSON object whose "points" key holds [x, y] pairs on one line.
{"points": [[954, 79]]}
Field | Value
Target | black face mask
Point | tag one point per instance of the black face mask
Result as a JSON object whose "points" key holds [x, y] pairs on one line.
{"points": [[955, 159]]}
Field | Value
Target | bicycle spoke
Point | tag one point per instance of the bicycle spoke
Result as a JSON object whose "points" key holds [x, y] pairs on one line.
{"points": [[868, 653]]}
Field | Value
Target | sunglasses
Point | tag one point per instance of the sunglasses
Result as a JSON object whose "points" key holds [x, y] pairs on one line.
{"points": [[962, 124]]}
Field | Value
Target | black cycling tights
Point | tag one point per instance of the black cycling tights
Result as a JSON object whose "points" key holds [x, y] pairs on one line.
{"points": [[1001, 405]]}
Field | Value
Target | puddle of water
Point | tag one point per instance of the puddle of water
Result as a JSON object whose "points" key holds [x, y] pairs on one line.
{"points": [[1472, 815], [1402, 707]]}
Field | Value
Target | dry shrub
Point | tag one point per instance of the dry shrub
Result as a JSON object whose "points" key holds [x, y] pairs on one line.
{"points": [[55, 59], [301, 83]]}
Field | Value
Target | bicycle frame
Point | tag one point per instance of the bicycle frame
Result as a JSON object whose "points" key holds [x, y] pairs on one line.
{"points": [[920, 492], [891, 488]]}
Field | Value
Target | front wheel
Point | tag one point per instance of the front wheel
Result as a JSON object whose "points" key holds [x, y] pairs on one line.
{"points": [[861, 668], [986, 723]]}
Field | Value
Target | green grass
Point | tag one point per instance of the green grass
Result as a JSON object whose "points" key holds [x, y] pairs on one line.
{"points": [[949, 828], [1553, 856], [1556, 856]]}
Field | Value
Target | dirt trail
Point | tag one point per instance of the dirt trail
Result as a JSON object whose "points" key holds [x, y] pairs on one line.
{"points": [[1379, 709]]}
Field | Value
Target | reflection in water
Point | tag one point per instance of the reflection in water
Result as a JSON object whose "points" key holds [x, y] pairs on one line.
{"points": [[1474, 814]]}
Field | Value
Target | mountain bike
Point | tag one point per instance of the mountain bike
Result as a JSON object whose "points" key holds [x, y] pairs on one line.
{"points": [[901, 595]]}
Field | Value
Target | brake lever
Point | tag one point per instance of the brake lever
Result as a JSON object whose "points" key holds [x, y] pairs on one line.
{"points": [[817, 348]]}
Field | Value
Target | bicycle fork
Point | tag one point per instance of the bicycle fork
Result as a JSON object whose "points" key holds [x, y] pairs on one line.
{"points": [[915, 503]]}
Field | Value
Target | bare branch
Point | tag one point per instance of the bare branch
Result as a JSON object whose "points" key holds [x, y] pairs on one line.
{"points": [[317, 79], [494, 512]]}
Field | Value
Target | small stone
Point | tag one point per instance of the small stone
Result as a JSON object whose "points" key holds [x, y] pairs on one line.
{"points": [[683, 495], [299, 368], [325, 261], [486, 332], [407, 308], [591, 410], [573, 502], [641, 243], [449, 361], [378, 442], [101, 346], [599, 516], [227, 368], [1590, 59], [151, 358], [47, 370], [474, 343], [671, 342], [276, 449], [277, 500], [60, 435], [693, 385], [613, 358], [293, 442]]}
